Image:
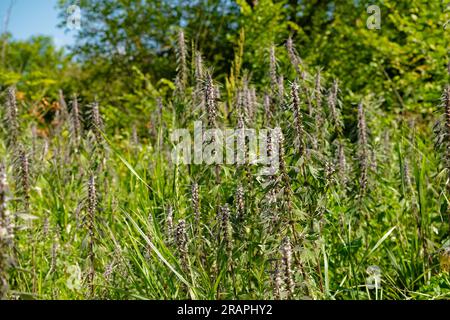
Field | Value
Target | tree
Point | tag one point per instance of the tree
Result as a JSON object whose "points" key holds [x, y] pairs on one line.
{"points": [[116, 35], [403, 62], [35, 66]]}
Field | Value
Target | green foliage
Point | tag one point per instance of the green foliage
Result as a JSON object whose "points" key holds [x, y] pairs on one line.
{"points": [[35, 66], [360, 198], [403, 62]]}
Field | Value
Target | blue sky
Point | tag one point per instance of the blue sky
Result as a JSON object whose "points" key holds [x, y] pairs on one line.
{"points": [[34, 17]]}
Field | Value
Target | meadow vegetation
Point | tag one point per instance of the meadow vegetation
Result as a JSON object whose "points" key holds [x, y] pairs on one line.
{"points": [[93, 205]]}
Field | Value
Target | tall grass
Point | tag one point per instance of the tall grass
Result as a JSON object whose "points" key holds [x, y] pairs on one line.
{"points": [[357, 210]]}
